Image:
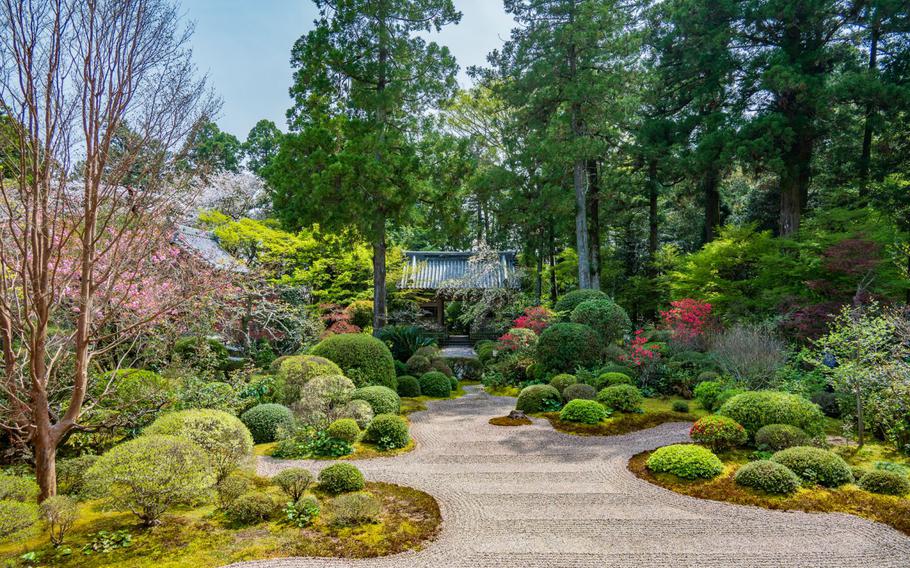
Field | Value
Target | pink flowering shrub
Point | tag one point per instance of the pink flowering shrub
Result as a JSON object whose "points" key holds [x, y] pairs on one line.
{"points": [[517, 339], [535, 318], [687, 320], [640, 352]]}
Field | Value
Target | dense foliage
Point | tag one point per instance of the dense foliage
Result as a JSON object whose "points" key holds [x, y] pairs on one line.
{"points": [[363, 358], [756, 409], [815, 465], [685, 460], [768, 476]]}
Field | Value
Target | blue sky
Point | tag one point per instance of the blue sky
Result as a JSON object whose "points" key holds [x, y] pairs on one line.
{"points": [[244, 47]]}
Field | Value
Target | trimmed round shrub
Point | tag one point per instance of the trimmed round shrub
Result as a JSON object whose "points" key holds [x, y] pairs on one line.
{"points": [[388, 431], [760, 408], [226, 441], [538, 398], [568, 302], [565, 346], [294, 481], [584, 411], [355, 509], [579, 391], [345, 429], [685, 460], [363, 358], [610, 379], [680, 406], [408, 386], [264, 420], [297, 370], [884, 482], [382, 400], [303, 511], [71, 474], [724, 396], [605, 317], [150, 474], [706, 393], [454, 383], [768, 476], [15, 517], [232, 487], [435, 384], [776, 437], [323, 399], [621, 398], [14, 488], [400, 369], [418, 365], [718, 432], [562, 380], [815, 465], [358, 410], [254, 507], [340, 478]]}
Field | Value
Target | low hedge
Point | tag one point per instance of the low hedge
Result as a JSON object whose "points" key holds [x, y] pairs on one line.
{"points": [[621, 398], [435, 384], [382, 400], [768, 476], [538, 398], [685, 460], [264, 421], [584, 411], [815, 465], [760, 408]]}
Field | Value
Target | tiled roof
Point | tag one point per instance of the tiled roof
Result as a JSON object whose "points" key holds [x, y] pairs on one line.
{"points": [[204, 246], [432, 270]]}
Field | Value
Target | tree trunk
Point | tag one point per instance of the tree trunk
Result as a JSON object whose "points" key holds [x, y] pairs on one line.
{"points": [[579, 181], [45, 448], [653, 192], [712, 203], [538, 280], [594, 226], [379, 284], [866, 156], [554, 292]]}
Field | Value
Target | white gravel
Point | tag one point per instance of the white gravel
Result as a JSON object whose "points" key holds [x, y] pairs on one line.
{"points": [[532, 497]]}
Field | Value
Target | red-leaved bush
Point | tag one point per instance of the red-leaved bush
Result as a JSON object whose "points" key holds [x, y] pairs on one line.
{"points": [[639, 351], [535, 318], [687, 319]]}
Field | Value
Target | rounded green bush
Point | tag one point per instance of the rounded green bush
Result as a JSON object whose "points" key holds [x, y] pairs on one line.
{"points": [[435, 384], [439, 364], [454, 382], [884, 482], [264, 420], [584, 411], [418, 365], [579, 391], [71, 474], [768, 476], [568, 302], [408, 386], [760, 408], [538, 398], [14, 488], [294, 481], [610, 379], [355, 509], [621, 398], [718, 432], [562, 380], [815, 465], [685, 460], [617, 368], [254, 507], [680, 406], [706, 393], [345, 429], [15, 517], [232, 487], [363, 358], [725, 395], [382, 400], [388, 431], [297, 370], [605, 317], [565, 346], [225, 439], [358, 410], [151, 473], [340, 478], [776, 437]]}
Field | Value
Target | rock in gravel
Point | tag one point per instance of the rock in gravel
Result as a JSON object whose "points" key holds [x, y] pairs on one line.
{"points": [[518, 415]]}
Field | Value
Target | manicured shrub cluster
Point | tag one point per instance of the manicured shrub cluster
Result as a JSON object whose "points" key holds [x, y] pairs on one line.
{"points": [[355, 509], [382, 400], [418, 365], [264, 421], [408, 386], [538, 398], [254, 507], [562, 380], [568, 302], [345, 429], [612, 378], [760, 408], [435, 384], [297, 370], [294, 481], [359, 411], [363, 358], [565, 346], [340, 478], [768, 476], [706, 393], [815, 465], [884, 482], [621, 398], [584, 411], [776, 437], [605, 317], [685, 460], [680, 406], [579, 391], [388, 431], [718, 432]]}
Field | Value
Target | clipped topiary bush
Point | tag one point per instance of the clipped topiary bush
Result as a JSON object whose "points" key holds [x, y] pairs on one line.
{"points": [[435, 384], [706, 393], [297, 370], [562, 380], [16, 517], [294, 481], [760, 408], [408, 386], [150, 474], [568, 302], [884, 482], [264, 420], [621, 398], [685, 460], [418, 365], [718, 432], [382, 400], [355, 509], [345, 429], [538, 398], [323, 399], [605, 317], [565, 346], [254, 507], [340, 478], [584, 411], [776, 437], [610, 379], [454, 383], [14, 488], [226, 441], [388, 431], [815, 465], [579, 391], [363, 358], [768, 476], [680, 406]]}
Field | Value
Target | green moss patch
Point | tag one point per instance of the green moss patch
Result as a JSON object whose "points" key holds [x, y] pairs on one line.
{"points": [[618, 424]]}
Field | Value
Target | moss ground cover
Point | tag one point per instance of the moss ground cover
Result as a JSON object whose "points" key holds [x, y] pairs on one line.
{"points": [[655, 411]]}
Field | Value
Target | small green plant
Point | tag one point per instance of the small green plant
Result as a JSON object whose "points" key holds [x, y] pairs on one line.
{"points": [[388, 432], [685, 460], [579, 391], [621, 398], [103, 542], [294, 481], [321, 444], [768, 476], [815, 465], [584, 411], [345, 429], [706, 393], [341, 478], [303, 512], [885, 482], [562, 380], [355, 509], [232, 487], [680, 406], [538, 398], [718, 432]]}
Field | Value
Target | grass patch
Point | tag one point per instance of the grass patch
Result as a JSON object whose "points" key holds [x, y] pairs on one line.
{"points": [[893, 511], [506, 421], [202, 538], [503, 391]]}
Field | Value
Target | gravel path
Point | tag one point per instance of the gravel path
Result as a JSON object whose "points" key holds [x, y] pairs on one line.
{"points": [[532, 497]]}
